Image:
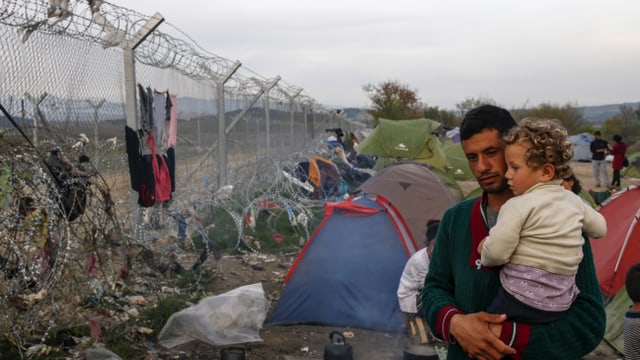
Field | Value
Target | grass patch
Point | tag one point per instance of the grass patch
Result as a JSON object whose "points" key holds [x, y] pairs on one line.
{"points": [[273, 230], [156, 317], [125, 345], [201, 279], [9, 350], [224, 232]]}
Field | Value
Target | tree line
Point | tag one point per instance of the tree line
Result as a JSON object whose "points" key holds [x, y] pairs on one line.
{"points": [[394, 100]]}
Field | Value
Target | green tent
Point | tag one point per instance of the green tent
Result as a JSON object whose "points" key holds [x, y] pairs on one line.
{"points": [[474, 193], [633, 170], [458, 164], [405, 140], [615, 311], [586, 196]]}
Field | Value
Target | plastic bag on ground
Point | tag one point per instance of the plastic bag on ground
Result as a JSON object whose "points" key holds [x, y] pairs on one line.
{"points": [[230, 318]]}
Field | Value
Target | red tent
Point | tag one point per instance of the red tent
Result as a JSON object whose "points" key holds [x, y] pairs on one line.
{"points": [[620, 248]]}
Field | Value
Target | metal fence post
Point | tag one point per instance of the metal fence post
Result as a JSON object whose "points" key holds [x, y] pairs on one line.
{"points": [[129, 47]]}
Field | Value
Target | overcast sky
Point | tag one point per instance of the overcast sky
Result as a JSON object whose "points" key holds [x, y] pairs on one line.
{"points": [[519, 53]]}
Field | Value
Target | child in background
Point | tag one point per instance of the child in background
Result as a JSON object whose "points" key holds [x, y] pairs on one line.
{"points": [[538, 236], [411, 283], [572, 183], [632, 316]]}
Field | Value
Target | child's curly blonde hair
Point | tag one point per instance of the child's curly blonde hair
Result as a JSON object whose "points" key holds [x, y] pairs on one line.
{"points": [[547, 143]]}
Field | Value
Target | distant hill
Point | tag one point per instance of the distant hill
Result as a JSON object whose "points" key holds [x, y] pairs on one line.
{"points": [[598, 114], [594, 114], [353, 112], [190, 108]]}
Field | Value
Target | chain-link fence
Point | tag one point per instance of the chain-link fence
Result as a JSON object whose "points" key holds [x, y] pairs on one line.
{"points": [[69, 217]]}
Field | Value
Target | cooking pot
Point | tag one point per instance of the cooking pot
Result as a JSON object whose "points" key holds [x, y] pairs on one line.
{"points": [[420, 352], [232, 353]]}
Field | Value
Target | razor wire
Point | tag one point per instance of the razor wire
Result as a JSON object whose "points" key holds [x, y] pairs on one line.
{"points": [[63, 83], [104, 23], [43, 253]]}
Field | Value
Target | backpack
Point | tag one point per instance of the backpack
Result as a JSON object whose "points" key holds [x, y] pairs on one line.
{"points": [[73, 188]]}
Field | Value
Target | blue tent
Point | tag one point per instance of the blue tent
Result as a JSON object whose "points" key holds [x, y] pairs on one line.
{"points": [[348, 272], [581, 146]]}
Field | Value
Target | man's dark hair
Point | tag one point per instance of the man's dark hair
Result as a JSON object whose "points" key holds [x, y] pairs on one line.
{"points": [[633, 282], [597, 133], [486, 117], [617, 138]]}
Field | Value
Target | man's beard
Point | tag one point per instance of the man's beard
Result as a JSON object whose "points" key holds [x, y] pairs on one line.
{"points": [[497, 189]]}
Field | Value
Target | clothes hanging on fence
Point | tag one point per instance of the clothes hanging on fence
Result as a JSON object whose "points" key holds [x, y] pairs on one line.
{"points": [[170, 159], [167, 106], [133, 152], [173, 121], [160, 172], [152, 175], [159, 115], [140, 170], [146, 109]]}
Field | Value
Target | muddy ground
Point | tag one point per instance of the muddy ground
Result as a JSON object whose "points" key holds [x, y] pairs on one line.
{"points": [[298, 342], [283, 342]]}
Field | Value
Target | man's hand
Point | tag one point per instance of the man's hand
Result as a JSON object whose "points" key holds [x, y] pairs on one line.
{"points": [[479, 335]]}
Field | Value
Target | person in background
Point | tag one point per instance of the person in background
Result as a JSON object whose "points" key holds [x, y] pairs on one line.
{"points": [[411, 283], [619, 151], [631, 327], [572, 183], [599, 148], [458, 288], [540, 250]]}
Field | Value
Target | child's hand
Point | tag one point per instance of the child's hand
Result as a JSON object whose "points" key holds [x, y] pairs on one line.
{"points": [[480, 247]]}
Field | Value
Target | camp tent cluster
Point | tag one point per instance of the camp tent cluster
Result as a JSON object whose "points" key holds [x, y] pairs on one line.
{"points": [[348, 272]]}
